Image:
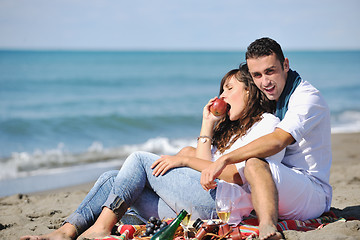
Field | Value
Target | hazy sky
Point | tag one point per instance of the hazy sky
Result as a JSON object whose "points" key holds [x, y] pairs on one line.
{"points": [[182, 24]]}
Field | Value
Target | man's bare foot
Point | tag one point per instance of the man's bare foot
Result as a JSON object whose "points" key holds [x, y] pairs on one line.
{"points": [[94, 232], [56, 235], [269, 232]]}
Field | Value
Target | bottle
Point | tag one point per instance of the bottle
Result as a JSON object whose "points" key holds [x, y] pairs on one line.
{"points": [[168, 232]]}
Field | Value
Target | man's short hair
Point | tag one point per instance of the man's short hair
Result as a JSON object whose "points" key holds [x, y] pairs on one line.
{"points": [[265, 47]]}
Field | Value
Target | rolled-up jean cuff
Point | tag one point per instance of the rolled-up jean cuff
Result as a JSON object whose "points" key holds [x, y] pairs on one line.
{"points": [[116, 204], [78, 221]]}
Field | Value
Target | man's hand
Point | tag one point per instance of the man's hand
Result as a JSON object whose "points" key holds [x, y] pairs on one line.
{"points": [[209, 174]]}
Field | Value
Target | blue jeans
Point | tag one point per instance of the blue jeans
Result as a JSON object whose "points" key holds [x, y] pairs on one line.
{"points": [[148, 195]]}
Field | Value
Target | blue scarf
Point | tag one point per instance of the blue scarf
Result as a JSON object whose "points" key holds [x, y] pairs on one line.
{"points": [[292, 81]]}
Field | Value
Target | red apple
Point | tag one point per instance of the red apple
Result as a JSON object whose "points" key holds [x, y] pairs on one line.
{"points": [[219, 107]]}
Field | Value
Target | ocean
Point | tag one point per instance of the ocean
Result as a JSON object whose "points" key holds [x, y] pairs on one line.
{"points": [[67, 116]]}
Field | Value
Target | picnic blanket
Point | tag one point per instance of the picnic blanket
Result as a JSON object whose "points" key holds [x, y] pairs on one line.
{"points": [[249, 227]]}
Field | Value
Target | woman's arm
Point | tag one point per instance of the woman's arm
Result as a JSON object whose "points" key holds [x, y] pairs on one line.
{"points": [[204, 143]]}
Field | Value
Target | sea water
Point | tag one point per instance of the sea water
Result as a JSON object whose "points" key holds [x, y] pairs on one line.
{"points": [[78, 113]]}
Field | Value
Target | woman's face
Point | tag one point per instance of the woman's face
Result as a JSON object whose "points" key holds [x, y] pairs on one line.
{"points": [[235, 95]]}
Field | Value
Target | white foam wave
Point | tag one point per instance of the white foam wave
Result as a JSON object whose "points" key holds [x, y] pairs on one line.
{"points": [[22, 164], [346, 122]]}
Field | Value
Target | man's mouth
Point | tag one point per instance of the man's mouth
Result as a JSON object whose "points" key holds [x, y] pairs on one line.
{"points": [[269, 89]]}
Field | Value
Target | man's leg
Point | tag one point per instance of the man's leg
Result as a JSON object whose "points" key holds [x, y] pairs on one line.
{"points": [[264, 197]]}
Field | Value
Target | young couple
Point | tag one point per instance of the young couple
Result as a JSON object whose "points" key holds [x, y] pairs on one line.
{"points": [[278, 166]]}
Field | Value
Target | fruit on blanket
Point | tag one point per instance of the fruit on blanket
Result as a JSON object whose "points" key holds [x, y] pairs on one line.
{"points": [[219, 107], [153, 226]]}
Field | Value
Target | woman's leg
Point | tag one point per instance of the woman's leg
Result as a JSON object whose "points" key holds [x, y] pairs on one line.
{"points": [[150, 204], [179, 185], [90, 208]]}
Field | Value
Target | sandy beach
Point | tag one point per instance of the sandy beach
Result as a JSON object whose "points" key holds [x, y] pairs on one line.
{"points": [[40, 213]]}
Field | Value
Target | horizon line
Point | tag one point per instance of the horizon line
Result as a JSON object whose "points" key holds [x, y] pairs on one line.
{"points": [[168, 49]]}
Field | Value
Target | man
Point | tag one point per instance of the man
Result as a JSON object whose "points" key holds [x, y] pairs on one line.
{"points": [[298, 188]]}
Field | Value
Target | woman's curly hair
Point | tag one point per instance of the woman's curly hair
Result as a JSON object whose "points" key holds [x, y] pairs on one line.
{"points": [[226, 132]]}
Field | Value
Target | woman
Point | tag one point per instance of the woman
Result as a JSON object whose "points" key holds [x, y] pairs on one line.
{"points": [[152, 185]]}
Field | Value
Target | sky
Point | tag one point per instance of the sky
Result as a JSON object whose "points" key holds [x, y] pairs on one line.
{"points": [[178, 25]]}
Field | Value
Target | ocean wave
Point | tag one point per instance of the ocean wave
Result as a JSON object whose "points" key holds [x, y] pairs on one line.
{"points": [[26, 163], [23, 164], [79, 132], [346, 122]]}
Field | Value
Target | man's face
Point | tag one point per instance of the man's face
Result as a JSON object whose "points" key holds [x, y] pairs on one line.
{"points": [[268, 75]]}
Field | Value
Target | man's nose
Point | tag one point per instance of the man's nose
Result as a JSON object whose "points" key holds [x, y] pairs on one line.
{"points": [[265, 81]]}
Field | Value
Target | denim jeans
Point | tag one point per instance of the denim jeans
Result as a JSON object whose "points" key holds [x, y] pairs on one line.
{"points": [[146, 194]]}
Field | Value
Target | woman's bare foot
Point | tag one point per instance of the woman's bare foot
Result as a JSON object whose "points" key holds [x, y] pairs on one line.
{"points": [[65, 232], [269, 232], [94, 232], [102, 227]]}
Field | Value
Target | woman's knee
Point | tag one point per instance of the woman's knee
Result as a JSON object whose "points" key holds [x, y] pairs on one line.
{"points": [[137, 157], [139, 160], [107, 176]]}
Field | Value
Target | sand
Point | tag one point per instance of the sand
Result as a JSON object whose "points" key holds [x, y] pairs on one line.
{"points": [[41, 213]]}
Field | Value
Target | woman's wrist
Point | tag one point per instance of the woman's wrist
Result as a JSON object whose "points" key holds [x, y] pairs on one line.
{"points": [[207, 130], [204, 139], [208, 122], [185, 161]]}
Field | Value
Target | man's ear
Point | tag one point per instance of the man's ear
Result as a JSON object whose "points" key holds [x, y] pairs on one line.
{"points": [[286, 65]]}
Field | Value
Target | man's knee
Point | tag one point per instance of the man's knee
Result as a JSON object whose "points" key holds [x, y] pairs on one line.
{"points": [[256, 166], [187, 151], [258, 173]]}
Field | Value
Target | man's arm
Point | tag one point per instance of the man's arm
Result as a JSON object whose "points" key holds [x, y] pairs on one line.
{"points": [[262, 147]]}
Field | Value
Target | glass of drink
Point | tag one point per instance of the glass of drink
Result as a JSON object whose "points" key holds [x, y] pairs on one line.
{"points": [[223, 209], [185, 224]]}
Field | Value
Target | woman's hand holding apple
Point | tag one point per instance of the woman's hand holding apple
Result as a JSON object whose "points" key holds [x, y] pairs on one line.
{"points": [[219, 107]]}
